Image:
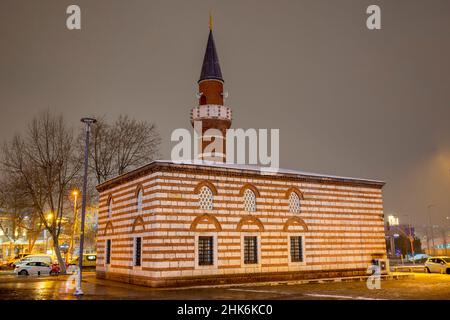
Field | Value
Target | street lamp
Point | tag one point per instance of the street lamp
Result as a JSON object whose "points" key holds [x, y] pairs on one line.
{"points": [[88, 122], [392, 222]]}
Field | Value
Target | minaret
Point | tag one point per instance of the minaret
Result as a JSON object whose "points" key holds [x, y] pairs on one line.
{"points": [[211, 114]]}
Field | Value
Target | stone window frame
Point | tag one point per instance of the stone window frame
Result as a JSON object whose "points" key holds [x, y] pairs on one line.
{"points": [[139, 200], [110, 206], [249, 196], [108, 252], [214, 266], [296, 207], [258, 250], [212, 189], [300, 196], [206, 198], [296, 263], [137, 267], [244, 192]]}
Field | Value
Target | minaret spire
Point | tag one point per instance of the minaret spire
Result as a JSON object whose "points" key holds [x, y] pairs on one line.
{"points": [[210, 67], [211, 118]]}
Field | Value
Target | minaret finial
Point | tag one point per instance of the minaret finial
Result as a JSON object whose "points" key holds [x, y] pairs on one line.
{"points": [[210, 20]]}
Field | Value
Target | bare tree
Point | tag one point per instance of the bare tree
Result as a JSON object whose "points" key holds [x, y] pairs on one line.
{"points": [[122, 146], [44, 163], [34, 227], [101, 153], [16, 210]]}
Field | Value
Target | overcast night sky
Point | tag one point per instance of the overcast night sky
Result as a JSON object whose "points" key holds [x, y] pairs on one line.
{"points": [[348, 101]]}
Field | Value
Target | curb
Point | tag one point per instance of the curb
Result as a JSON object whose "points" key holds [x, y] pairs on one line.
{"points": [[295, 282], [255, 284]]}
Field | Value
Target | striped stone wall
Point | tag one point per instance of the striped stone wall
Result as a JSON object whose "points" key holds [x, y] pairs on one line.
{"points": [[341, 224]]}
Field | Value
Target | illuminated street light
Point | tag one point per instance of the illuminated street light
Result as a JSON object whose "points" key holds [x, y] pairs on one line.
{"points": [[88, 122], [393, 220]]}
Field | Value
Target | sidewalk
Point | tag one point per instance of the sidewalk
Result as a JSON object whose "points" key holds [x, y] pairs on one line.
{"points": [[392, 276]]}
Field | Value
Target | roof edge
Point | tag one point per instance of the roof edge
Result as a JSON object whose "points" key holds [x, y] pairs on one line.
{"points": [[155, 164]]}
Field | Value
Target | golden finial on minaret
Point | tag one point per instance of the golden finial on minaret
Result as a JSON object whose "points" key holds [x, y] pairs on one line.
{"points": [[210, 20]]}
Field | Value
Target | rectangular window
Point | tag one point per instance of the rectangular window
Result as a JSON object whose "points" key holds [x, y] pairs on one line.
{"points": [[108, 251], [137, 251], [250, 250], [205, 251], [296, 249]]}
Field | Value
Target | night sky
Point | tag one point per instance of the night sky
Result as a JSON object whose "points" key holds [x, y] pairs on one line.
{"points": [[348, 101]]}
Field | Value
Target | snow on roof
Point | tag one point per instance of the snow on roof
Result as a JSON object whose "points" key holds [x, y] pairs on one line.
{"points": [[243, 167], [263, 170]]}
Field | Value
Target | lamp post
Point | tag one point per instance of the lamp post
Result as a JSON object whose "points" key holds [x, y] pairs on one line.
{"points": [[88, 122], [392, 222]]}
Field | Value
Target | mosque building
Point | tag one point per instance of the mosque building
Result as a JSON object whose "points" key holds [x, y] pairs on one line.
{"points": [[213, 222]]}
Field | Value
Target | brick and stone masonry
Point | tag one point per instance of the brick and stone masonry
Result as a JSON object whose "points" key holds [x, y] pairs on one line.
{"points": [[340, 221]]}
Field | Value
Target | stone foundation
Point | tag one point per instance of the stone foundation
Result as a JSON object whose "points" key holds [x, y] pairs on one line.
{"points": [[229, 279]]}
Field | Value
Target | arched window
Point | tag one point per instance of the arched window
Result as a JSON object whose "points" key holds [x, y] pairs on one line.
{"points": [[110, 207], [249, 201], [205, 198], [294, 203], [139, 200]]}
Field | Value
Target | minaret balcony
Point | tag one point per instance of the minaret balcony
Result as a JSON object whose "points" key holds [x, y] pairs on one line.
{"points": [[211, 111]]}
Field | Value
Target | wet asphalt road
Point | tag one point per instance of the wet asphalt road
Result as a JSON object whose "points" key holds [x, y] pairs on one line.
{"points": [[423, 286]]}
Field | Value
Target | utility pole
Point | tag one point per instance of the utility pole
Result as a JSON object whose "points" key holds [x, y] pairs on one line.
{"points": [[88, 122]]}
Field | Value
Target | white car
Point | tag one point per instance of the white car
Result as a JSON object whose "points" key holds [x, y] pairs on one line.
{"points": [[33, 268], [35, 258], [438, 265]]}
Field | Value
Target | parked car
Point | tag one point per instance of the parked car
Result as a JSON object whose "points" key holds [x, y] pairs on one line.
{"points": [[12, 261], [438, 265], [33, 268], [47, 259], [418, 257], [89, 260]]}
